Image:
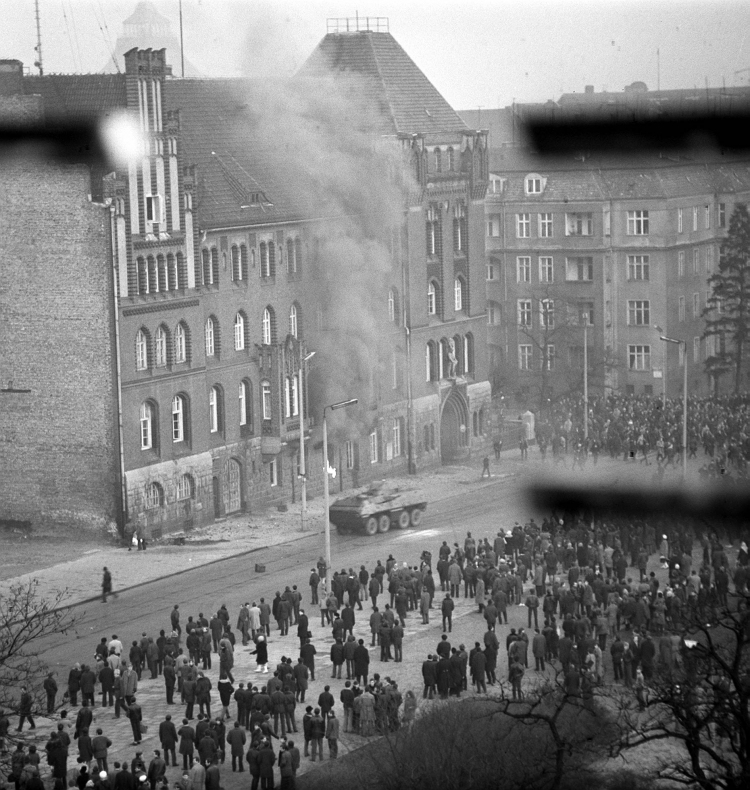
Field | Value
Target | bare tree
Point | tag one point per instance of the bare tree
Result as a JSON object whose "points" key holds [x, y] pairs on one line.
{"points": [[699, 702]]}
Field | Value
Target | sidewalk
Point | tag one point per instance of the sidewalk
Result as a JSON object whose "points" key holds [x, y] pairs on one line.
{"points": [[234, 536]]}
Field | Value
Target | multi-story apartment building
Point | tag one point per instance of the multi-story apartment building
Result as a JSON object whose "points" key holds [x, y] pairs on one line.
{"points": [[623, 243], [231, 258]]}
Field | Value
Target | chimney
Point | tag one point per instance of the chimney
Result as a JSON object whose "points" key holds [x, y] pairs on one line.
{"points": [[589, 89], [11, 77]]}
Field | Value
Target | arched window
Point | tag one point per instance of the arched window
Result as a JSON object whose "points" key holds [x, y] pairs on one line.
{"points": [[451, 163], [173, 275], [210, 337], [180, 344], [298, 255], [215, 409], [458, 294], [186, 487], [154, 496], [468, 353], [293, 322], [206, 278], [142, 275], [264, 272], [161, 341], [438, 160], [153, 275], [179, 418], [431, 361], [149, 430], [458, 343], [236, 264], [268, 327], [394, 309], [239, 331], [162, 273], [141, 350], [432, 298], [291, 257], [265, 399], [180, 274], [243, 262], [246, 404], [444, 363]]}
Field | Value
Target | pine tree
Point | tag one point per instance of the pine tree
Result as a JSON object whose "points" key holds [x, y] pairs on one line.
{"points": [[727, 310]]}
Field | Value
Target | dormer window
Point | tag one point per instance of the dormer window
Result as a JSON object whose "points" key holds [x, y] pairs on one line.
{"points": [[534, 184]]}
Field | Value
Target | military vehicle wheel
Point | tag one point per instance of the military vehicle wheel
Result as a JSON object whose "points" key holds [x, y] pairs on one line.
{"points": [[402, 522], [416, 516], [384, 522], [371, 526]]}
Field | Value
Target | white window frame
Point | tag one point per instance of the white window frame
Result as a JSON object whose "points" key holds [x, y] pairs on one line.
{"points": [[265, 399], [154, 496], [524, 312], [239, 332], [491, 271], [160, 347], [391, 306], [680, 264], [523, 226], [696, 305], [547, 313], [349, 446], [638, 222], [185, 487], [695, 218], [696, 260], [266, 327], [273, 473], [533, 184], [550, 358], [458, 294], [493, 225], [147, 426], [431, 298], [523, 269], [210, 337], [180, 344], [525, 356], [709, 265], [141, 350], [154, 209], [213, 410], [546, 269], [679, 220], [681, 309], [639, 357], [579, 223], [293, 322], [707, 217], [243, 402], [178, 419], [494, 313], [396, 436], [545, 223]]}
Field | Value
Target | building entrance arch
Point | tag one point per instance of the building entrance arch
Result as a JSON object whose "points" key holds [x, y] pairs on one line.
{"points": [[454, 428]]}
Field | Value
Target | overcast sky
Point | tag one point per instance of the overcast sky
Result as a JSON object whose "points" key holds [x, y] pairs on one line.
{"points": [[476, 52]]}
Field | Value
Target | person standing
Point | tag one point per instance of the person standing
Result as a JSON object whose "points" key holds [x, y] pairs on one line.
{"points": [[237, 739], [446, 608], [157, 769], [106, 584], [317, 733], [50, 688], [332, 735], [361, 662], [187, 744], [538, 649], [99, 745], [168, 739], [135, 714], [24, 709]]}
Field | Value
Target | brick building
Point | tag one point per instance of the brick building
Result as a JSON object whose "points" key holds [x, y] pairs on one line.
{"points": [[225, 255]]}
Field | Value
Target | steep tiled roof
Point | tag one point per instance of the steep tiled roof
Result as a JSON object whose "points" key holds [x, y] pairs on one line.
{"points": [[401, 95], [71, 98], [638, 176], [222, 136]]}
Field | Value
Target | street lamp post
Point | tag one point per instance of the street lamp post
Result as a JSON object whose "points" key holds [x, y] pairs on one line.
{"points": [[683, 343], [302, 467], [663, 374], [341, 405], [585, 380]]}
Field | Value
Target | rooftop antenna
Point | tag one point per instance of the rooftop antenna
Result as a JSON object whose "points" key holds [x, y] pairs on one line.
{"points": [[38, 47], [182, 48]]}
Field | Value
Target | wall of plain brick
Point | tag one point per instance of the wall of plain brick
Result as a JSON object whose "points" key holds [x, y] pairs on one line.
{"points": [[58, 442]]}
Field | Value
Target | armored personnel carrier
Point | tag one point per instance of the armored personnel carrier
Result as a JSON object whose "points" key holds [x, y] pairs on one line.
{"points": [[377, 508]]}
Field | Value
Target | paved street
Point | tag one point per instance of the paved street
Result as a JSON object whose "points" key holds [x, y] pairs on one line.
{"points": [[479, 506]]}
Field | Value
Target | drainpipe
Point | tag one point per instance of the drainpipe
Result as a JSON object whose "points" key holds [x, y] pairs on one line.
{"points": [[118, 371]]}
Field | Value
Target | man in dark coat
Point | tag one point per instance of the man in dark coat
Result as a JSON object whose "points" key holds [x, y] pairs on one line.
{"points": [[361, 662], [107, 679], [429, 675], [168, 739], [478, 666], [50, 688], [444, 677], [135, 715], [307, 654], [303, 626], [157, 769]]}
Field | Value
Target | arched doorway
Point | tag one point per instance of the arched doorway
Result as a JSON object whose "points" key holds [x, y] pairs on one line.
{"points": [[233, 493], [454, 428]]}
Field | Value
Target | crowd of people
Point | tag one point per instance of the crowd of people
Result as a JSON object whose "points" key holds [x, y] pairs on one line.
{"points": [[590, 604], [649, 429]]}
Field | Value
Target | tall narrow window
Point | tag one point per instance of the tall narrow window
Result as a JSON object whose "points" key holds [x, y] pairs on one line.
{"points": [[459, 227], [265, 390], [267, 327], [396, 436], [679, 220], [178, 418], [210, 337], [547, 313], [438, 161], [431, 298], [214, 409], [206, 276], [246, 403], [523, 269], [141, 350], [236, 264], [546, 269], [239, 332], [160, 345], [214, 266], [638, 267], [180, 344], [523, 226], [458, 294], [147, 425], [545, 226]]}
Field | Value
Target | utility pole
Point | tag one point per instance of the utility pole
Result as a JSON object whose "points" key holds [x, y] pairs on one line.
{"points": [[38, 48]]}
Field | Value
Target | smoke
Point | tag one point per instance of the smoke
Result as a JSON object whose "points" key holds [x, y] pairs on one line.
{"points": [[326, 133]]}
